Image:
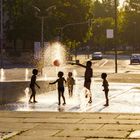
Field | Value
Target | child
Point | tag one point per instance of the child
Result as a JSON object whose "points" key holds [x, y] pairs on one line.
{"points": [[32, 85], [60, 82], [106, 89], [70, 82], [88, 75]]}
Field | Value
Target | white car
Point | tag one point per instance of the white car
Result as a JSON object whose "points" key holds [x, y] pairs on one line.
{"points": [[97, 56]]}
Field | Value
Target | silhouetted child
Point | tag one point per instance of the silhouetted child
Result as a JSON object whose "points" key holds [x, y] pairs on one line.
{"points": [[60, 82], [70, 83], [33, 84], [106, 89], [88, 75]]}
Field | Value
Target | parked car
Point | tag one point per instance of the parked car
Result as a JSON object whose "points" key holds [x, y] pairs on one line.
{"points": [[97, 56], [135, 58]]}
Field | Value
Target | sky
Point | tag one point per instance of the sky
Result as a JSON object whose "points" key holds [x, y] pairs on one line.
{"points": [[121, 2]]}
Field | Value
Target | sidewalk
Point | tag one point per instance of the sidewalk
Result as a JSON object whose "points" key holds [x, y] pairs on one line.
{"points": [[69, 126]]}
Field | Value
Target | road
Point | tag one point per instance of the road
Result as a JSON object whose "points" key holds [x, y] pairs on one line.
{"points": [[107, 64]]}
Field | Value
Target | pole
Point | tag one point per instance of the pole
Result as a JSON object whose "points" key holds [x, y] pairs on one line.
{"points": [[1, 34], [134, 48], [42, 32], [115, 36], [42, 44]]}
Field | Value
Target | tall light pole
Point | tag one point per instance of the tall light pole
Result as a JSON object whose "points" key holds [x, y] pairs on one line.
{"points": [[42, 17], [134, 47], [1, 33], [115, 35]]}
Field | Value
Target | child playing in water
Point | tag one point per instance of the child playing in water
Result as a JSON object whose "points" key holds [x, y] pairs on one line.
{"points": [[106, 89], [88, 75], [60, 82], [70, 82], [32, 85]]}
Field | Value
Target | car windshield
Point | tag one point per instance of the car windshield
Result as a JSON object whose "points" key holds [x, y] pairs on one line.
{"points": [[97, 53], [135, 55]]}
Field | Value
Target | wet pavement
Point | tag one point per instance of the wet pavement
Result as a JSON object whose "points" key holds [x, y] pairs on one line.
{"points": [[123, 98]]}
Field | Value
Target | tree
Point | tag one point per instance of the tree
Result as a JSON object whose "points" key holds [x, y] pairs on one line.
{"points": [[131, 24], [24, 25]]}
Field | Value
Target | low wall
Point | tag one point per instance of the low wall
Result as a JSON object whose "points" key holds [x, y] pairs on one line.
{"points": [[15, 90]]}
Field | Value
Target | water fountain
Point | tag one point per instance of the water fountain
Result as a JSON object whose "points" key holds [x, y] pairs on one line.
{"points": [[54, 58], [13, 89], [2, 74], [54, 61], [26, 74]]}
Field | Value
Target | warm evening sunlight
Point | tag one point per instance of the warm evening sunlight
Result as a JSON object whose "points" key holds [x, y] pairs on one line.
{"points": [[69, 69]]}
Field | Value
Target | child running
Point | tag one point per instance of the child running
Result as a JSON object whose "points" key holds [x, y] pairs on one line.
{"points": [[60, 82], [70, 83], [32, 85], [106, 89]]}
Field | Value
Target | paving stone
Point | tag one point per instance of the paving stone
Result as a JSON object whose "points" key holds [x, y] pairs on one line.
{"points": [[95, 134], [110, 121], [98, 121], [45, 138], [12, 126], [91, 115], [105, 139], [120, 127], [52, 120], [69, 126], [6, 135], [129, 117], [43, 133], [135, 134], [134, 122], [11, 120]]}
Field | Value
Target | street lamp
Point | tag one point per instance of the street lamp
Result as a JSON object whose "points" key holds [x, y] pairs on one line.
{"points": [[42, 22], [134, 47], [1, 33], [42, 17]]}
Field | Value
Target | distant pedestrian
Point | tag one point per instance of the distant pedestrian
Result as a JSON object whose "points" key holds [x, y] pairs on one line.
{"points": [[61, 89], [70, 83], [88, 75], [106, 89], [32, 85]]}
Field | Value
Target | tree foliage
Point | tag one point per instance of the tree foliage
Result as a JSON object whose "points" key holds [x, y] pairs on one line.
{"points": [[24, 21]]}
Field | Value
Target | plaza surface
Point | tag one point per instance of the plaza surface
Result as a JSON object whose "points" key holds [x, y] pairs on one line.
{"points": [[123, 98], [78, 120], [68, 126]]}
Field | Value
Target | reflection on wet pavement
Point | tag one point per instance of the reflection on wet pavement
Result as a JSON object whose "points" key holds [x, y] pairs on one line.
{"points": [[123, 98]]}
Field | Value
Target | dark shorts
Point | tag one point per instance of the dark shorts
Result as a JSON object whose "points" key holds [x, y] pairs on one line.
{"points": [[61, 89], [87, 84]]}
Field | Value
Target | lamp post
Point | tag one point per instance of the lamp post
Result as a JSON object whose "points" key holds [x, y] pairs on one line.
{"points": [[115, 35], [1, 33], [134, 47], [42, 17]]}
